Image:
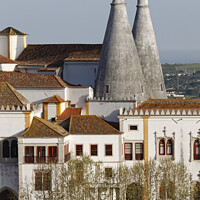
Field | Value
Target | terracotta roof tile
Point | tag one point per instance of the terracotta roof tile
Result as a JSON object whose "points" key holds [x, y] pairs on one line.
{"points": [[23, 80], [88, 124], [43, 128], [93, 55], [68, 112], [11, 31], [170, 104], [5, 60], [53, 55], [9, 96], [54, 99]]}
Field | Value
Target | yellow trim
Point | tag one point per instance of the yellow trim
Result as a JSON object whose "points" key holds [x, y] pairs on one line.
{"points": [[58, 109], [9, 47], [25, 44], [146, 145], [27, 119], [46, 111], [87, 107], [145, 118], [66, 104]]}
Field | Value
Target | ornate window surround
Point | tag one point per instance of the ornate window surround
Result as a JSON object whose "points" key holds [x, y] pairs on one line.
{"points": [[165, 137]]}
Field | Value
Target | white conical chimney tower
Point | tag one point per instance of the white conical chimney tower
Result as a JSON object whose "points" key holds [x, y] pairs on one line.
{"points": [[120, 73], [145, 41]]}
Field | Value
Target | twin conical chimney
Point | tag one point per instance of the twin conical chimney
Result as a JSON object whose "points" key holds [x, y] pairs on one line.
{"points": [[145, 41], [120, 73]]}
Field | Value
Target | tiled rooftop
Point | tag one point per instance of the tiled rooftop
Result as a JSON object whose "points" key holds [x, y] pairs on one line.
{"points": [[88, 125], [9, 96], [5, 60], [24, 80], [11, 31], [68, 112], [54, 99], [43, 128], [53, 55], [170, 104]]}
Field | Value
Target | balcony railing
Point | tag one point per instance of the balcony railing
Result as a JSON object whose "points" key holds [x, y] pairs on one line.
{"points": [[41, 159]]}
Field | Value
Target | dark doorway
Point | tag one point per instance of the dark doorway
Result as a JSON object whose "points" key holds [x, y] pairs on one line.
{"points": [[7, 195]]}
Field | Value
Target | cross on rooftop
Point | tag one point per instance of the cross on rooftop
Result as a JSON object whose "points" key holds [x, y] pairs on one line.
{"points": [[165, 131]]}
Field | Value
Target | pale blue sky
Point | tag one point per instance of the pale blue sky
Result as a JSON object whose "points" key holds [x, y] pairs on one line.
{"points": [[176, 23]]}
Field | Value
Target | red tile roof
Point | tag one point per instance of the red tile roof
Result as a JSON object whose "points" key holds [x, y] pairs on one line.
{"points": [[53, 55], [9, 96], [11, 31], [93, 55], [170, 104], [43, 128], [24, 80], [54, 99], [5, 60], [88, 125], [68, 112]]}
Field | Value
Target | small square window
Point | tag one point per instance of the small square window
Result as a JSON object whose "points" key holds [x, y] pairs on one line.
{"points": [[133, 127], [108, 172]]}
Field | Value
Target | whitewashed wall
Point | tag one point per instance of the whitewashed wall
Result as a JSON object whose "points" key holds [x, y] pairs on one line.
{"points": [[101, 141], [108, 109], [78, 95], [4, 46], [17, 42], [11, 123], [83, 73], [38, 95], [7, 67]]}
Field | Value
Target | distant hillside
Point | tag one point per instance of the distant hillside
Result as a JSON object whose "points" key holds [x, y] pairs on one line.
{"points": [[185, 68], [182, 79]]}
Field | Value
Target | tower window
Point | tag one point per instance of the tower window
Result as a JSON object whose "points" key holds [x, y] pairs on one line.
{"points": [[107, 89], [161, 87], [142, 89]]}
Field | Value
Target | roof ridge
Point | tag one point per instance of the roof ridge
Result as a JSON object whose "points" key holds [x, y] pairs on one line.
{"points": [[41, 120], [10, 87], [108, 124], [57, 78]]}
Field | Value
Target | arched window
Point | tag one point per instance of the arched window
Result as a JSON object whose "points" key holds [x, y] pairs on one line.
{"points": [[169, 148], [6, 150], [14, 149], [162, 147], [196, 150]]}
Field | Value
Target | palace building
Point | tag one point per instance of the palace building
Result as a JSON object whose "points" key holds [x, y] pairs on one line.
{"points": [[107, 101]]}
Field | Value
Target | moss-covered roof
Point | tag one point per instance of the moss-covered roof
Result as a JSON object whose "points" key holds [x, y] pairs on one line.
{"points": [[44, 128], [9, 96], [88, 125]]}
